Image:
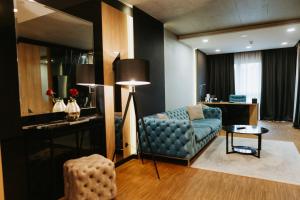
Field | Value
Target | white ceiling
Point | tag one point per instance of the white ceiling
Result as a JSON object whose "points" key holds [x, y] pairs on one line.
{"points": [[264, 38], [39, 22], [203, 16], [190, 16]]}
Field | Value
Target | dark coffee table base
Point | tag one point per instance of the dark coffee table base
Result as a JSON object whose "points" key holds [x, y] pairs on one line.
{"points": [[243, 149]]}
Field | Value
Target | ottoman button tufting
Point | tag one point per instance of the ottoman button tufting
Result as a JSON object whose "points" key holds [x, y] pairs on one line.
{"points": [[91, 177]]}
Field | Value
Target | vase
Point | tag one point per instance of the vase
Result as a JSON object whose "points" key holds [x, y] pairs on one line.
{"points": [[59, 106], [72, 110]]}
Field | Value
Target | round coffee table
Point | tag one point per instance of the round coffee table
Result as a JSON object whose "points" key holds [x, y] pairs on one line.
{"points": [[247, 130]]}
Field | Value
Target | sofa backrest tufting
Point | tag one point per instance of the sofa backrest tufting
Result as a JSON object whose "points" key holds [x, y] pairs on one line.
{"points": [[179, 113]]}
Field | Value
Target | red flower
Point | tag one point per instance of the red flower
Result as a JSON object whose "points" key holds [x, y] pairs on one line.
{"points": [[50, 92], [73, 92]]}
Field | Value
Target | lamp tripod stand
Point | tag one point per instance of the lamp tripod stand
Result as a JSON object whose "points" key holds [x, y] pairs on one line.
{"points": [[132, 95]]}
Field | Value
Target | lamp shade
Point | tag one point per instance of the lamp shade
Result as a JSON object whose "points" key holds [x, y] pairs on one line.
{"points": [[132, 72], [85, 74]]}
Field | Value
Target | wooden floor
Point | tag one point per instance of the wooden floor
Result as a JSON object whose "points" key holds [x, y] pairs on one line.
{"points": [[138, 181]]}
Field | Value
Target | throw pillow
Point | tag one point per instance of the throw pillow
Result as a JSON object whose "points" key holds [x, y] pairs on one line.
{"points": [[162, 116], [195, 112], [204, 106]]}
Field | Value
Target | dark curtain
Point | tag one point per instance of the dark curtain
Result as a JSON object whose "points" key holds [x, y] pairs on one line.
{"points": [[297, 110], [278, 84], [220, 75]]}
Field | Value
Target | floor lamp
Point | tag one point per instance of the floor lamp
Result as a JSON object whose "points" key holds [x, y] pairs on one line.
{"points": [[132, 73]]}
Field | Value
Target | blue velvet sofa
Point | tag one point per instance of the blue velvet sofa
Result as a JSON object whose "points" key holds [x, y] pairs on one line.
{"points": [[178, 137]]}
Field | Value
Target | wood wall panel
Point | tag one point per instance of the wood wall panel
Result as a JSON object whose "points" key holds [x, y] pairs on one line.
{"points": [[109, 120], [30, 83], [115, 41]]}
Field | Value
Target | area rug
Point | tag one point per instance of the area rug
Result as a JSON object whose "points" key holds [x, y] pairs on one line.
{"points": [[280, 161]]}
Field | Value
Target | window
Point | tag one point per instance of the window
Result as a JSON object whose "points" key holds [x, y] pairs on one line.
{"points": [[247, 74]]}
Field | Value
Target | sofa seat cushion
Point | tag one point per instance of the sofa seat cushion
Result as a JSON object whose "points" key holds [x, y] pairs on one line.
{"points": [[213, 124], [201, 132]]}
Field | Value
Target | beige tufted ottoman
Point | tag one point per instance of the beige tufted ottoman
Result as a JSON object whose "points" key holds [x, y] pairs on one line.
{"points": [[90, 178]]}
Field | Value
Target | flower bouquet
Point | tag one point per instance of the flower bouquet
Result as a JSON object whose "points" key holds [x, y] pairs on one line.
{"points": [[59, 105], [72, 109]]}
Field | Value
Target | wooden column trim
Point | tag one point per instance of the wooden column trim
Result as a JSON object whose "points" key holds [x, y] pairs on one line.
{"points": [[1, 178]]}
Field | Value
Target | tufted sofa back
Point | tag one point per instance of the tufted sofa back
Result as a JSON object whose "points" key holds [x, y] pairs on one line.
{"points": [[179, 114]]}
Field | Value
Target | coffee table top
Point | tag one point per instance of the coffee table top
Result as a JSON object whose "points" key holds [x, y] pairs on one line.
{"points": [[246, 129]]}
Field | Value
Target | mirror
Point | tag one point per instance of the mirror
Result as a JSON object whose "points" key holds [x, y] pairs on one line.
{"points": [[50, 51]]}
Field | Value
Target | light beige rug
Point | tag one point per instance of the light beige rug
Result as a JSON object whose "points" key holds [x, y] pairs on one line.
{"points": [[280, 161]]}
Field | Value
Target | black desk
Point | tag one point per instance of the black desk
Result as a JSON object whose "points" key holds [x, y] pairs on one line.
{"points": [[237, 113]]}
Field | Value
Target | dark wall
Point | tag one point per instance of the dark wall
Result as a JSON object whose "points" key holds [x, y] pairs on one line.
{"points": [[10, 109], [12, 150], [201, 73], [149, 45]]}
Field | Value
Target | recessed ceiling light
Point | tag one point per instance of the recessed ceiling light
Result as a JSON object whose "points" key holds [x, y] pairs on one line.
{"points": [[15, 10], [284, 43], [205, 40], [218, 50], [243, 36], [292, 29], [31, 0], [248, 47]]}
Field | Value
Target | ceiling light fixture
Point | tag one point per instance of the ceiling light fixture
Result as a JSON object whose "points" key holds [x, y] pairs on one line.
{"points": [[218, 50], [243, 36], [205, 40], [284, 43], [250, 44], [31, 0], [15, 10], [292, 29]]}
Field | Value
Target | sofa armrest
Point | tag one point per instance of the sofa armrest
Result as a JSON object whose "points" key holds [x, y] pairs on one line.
{"points": [[168, 137], [213, 113]]}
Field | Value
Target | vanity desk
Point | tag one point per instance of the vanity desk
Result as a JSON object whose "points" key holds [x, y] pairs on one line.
{"points": [[48, 145]]}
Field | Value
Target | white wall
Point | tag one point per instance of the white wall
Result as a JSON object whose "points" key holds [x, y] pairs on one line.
{"points": [[180, 73]]}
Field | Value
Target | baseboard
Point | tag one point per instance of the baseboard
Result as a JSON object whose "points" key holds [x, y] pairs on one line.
{"points": [[125, 160]]}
